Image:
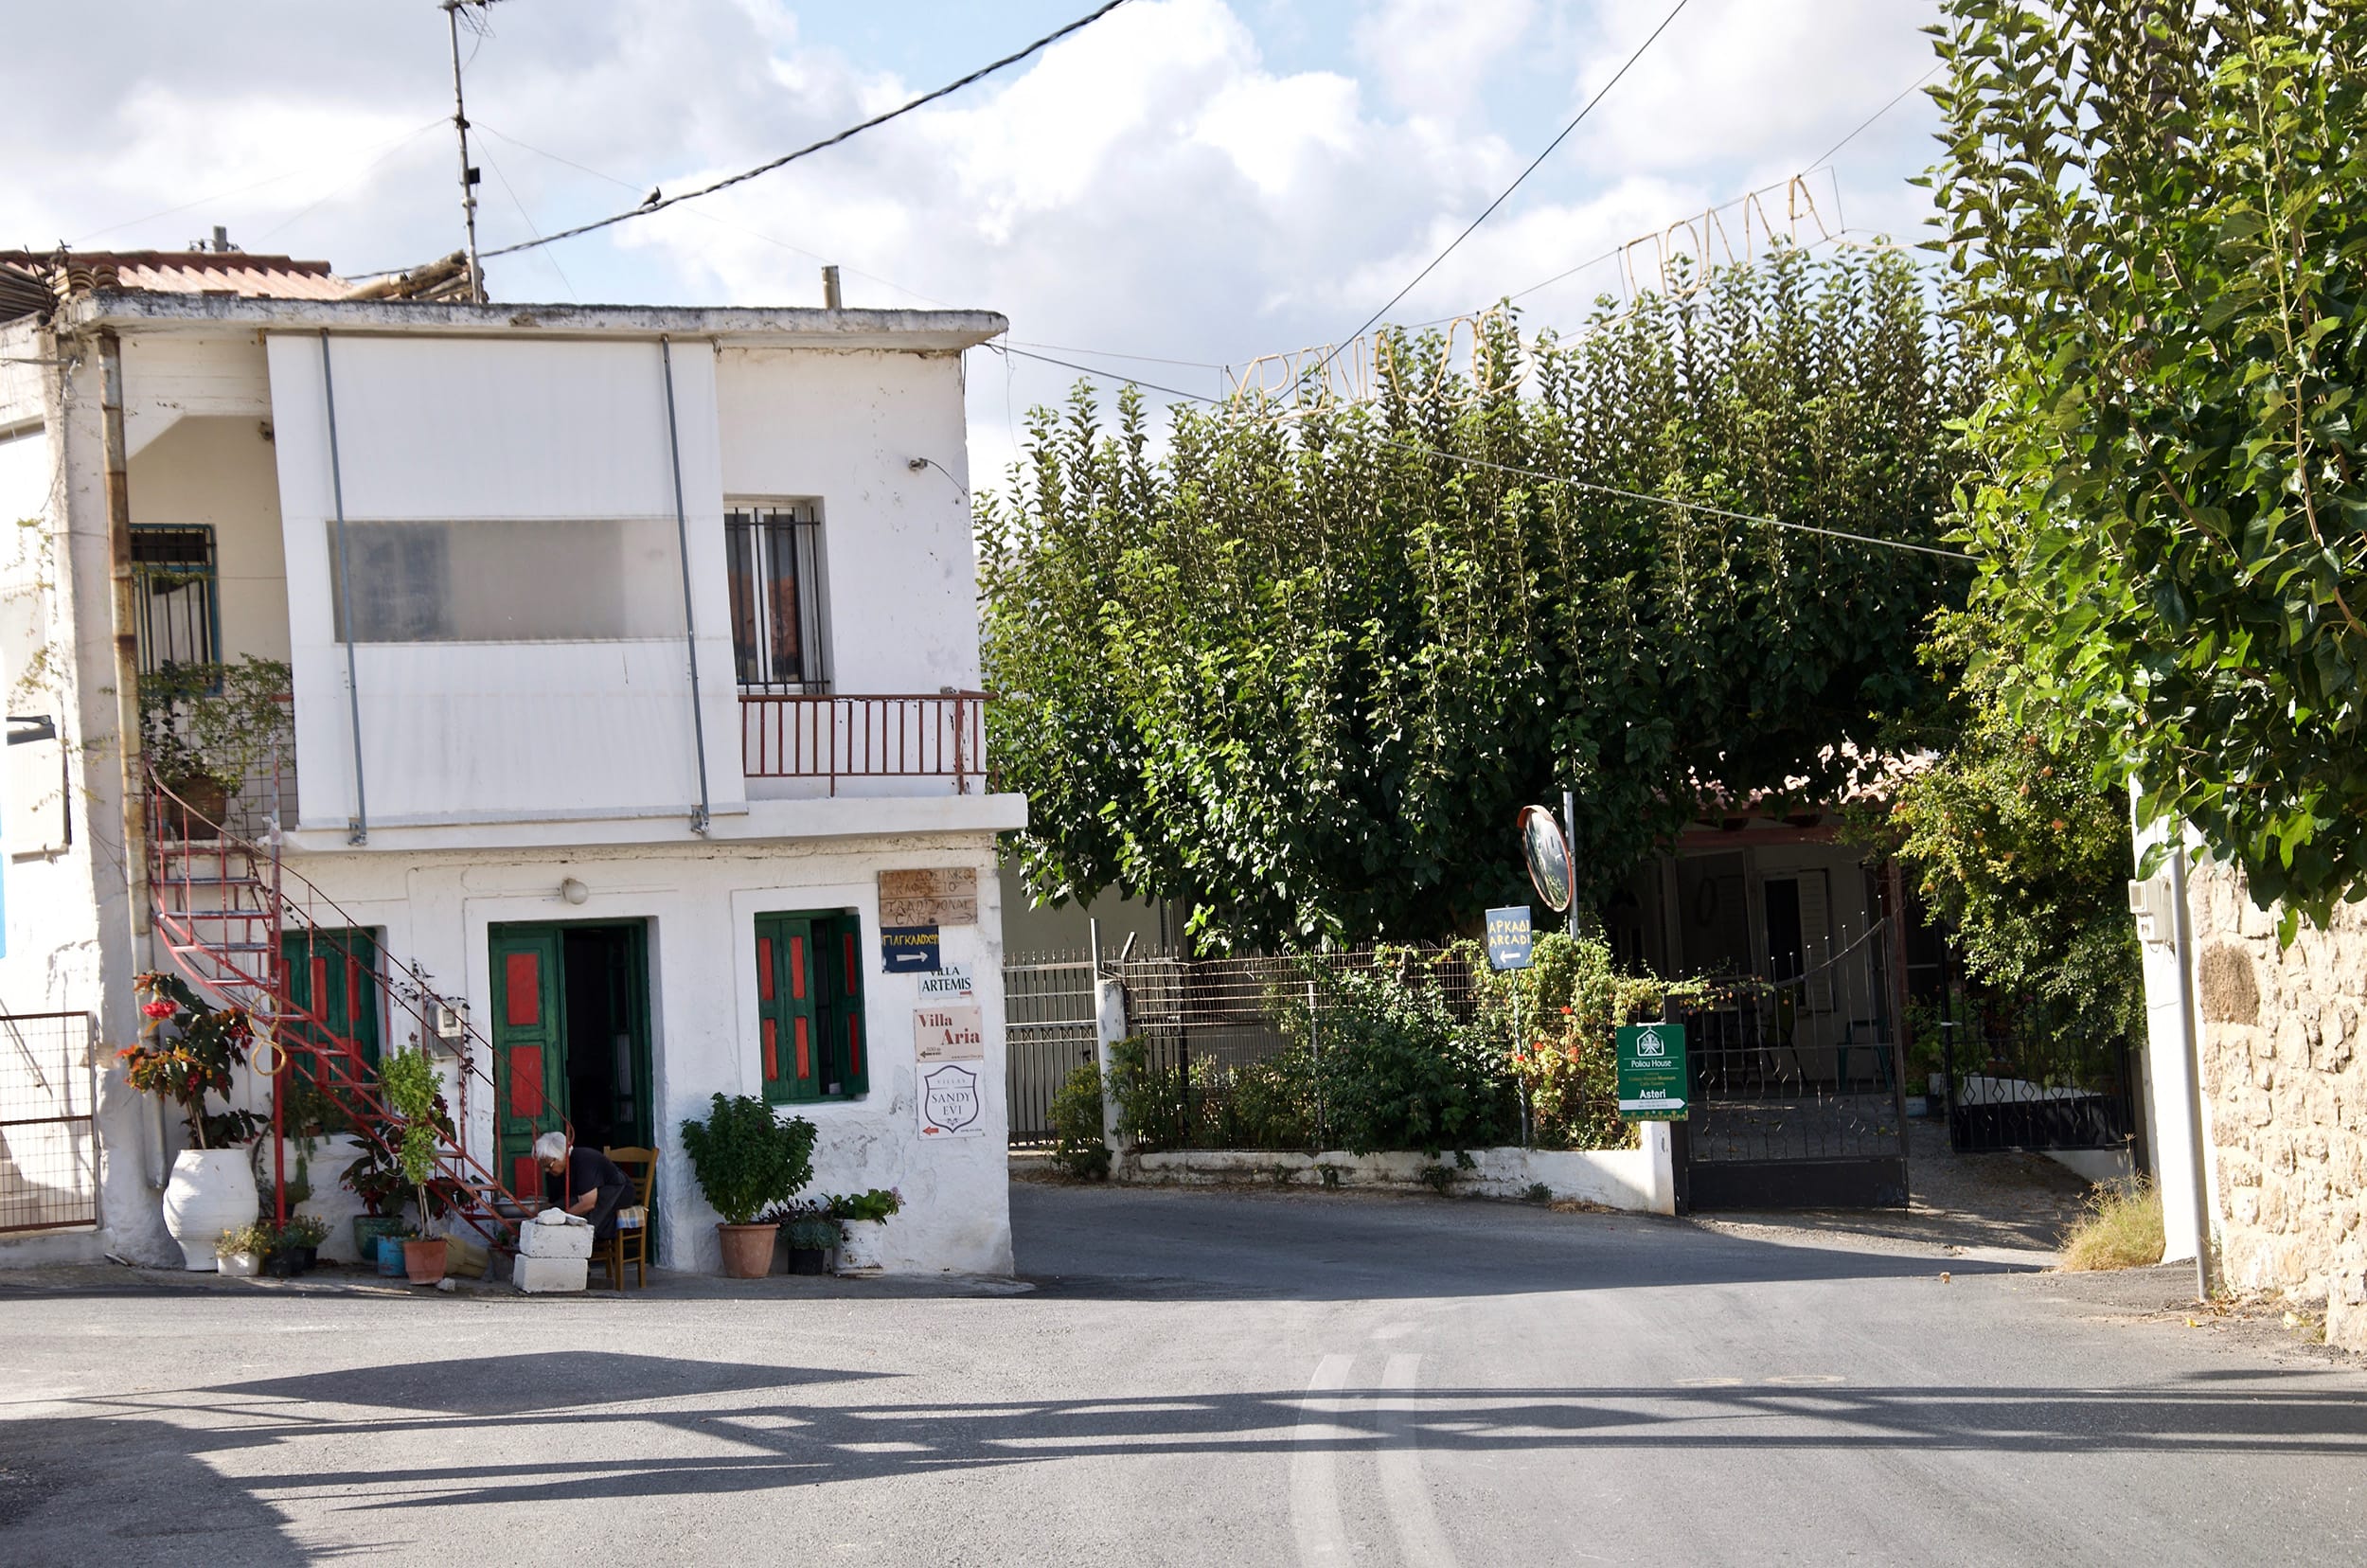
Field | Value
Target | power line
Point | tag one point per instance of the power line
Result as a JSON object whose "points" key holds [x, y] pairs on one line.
{"points": [[1827, 155], [706, 216], [709, 189], [1419, 450], [1587, 109]]}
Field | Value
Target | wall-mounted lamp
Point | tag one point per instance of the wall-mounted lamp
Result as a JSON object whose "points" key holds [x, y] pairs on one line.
{"points": [[574, 891]]}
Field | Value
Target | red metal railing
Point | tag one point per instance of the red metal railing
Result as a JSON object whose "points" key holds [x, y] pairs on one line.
{"points": [[220, 901], [796, 735]]}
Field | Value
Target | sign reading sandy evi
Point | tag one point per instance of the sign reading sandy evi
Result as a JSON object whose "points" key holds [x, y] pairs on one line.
{"points": [[948, 1034], [951, 1104], [1653, 1072]]}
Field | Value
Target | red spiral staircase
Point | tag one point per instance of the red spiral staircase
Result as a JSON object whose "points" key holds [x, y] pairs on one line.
{"points": [[220, 903]]}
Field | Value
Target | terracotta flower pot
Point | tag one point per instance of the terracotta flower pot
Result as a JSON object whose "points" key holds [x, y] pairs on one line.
{"points": [[424, 1261], [747, 1250]]}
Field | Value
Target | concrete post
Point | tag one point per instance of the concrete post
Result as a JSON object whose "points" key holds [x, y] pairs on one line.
{"points": [[1108, 1029]]}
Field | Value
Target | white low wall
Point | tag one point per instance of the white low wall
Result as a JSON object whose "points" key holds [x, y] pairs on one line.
{"points": [[1638, 1180]]}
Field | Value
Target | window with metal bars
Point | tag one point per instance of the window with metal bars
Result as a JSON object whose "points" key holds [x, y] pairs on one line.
{"points": [[779, 637], [179, 610]]}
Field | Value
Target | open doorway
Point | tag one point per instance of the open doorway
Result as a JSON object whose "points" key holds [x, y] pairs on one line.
{"points": [[571, 1039]]}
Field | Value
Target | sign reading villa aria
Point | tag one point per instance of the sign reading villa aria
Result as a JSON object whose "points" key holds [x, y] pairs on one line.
{"points": [[941, 897], [950, 1103], [948, 1034], [1653, 1072]]}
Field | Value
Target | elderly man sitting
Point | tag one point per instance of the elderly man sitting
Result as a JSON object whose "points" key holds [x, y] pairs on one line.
{"points": [[582, 1180]]}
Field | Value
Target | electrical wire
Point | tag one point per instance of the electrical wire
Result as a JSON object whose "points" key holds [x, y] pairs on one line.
{"points": [[1585, 110], [709, 217], [1423, 451], [532, 227], [351, 181], [1826, 156], [663, 203]]}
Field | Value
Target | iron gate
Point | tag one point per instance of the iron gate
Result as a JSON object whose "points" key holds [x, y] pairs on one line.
{"points": [[1798, 1098], [1048, 1027], [49, 1146], [2020, 1077]]}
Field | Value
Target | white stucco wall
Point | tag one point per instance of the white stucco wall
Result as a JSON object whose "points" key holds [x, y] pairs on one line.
{"points": [[842, 429], [699, 903]]}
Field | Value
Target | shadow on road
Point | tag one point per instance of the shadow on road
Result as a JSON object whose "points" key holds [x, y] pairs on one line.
{"points": [[352, 1437]]}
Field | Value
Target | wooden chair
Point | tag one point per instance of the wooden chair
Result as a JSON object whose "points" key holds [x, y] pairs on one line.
{"points": [[631, 1244]]}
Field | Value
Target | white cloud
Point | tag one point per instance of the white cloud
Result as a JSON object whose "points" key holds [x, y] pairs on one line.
{"points": [[1433, 55]]}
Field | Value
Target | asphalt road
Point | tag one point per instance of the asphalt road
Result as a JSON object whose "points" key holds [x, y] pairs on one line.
{"points": [[1197, 1378]]}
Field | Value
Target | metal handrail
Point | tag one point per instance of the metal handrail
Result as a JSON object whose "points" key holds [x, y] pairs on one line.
{"points": [[345, 1078]]}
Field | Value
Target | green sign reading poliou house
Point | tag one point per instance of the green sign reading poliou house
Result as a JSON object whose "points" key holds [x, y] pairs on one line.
{"points": [[1653, 1072]]}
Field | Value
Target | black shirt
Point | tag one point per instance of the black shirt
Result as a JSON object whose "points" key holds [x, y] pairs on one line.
{"points": [[587, 1171]]}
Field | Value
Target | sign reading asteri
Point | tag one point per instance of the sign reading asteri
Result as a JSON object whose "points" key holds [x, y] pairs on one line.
{"points": [[1652, 1081]]}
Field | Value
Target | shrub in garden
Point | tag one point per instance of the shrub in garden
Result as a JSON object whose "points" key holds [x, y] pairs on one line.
{"points": [[1397, 1072], [1077, 1146], [1572, 1000]]}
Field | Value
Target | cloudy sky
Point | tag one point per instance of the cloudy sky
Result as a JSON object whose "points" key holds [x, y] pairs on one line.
{"points": [[1193, 181]]}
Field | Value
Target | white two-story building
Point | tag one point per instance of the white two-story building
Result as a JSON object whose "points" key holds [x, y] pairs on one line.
{"points": [[629, 646]]}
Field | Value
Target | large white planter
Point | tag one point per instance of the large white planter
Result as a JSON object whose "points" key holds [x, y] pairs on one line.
{"points": [[864, 1249], [212, 1190]]}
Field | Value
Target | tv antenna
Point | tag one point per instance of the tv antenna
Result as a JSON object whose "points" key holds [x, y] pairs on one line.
{"points": [[474, 10]]}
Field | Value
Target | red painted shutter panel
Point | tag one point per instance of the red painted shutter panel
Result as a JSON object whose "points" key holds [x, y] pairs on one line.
{"points": [[526, 1177], [772, 1050], [525, 1081], [805, 1051], [765, 983], [797, 969], [521, 1002]]}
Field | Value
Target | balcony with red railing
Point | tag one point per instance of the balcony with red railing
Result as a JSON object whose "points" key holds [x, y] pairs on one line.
{"points": [[837, 744]]}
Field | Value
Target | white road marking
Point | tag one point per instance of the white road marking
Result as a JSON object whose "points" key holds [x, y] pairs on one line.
{"points": [[1315, 1522], [1419, 1536]]}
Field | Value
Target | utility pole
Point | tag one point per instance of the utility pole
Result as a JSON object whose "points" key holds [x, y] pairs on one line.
{"points": [[468, 174]]}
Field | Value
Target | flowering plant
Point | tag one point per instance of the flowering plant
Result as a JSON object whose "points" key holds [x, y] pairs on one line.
{"points": [[876, 1204], [199, 1058]]}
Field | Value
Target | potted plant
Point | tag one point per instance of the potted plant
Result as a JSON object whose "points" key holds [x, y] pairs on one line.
{"points": [[862, 1218], [410, 1082], [811, 1233], [207, 728], [212, 1186], [296, 1246], [747, 1158], [240, 1252]]}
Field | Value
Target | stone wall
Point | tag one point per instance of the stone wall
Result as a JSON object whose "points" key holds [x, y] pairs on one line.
{"points": [[2285, 1083]]}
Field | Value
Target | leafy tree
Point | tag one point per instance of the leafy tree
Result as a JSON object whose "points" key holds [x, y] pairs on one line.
{"points": [[1299, 672], [2019, 839], [2155, 213]]}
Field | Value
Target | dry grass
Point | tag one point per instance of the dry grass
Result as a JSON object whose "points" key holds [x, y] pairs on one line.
{"points": [[2122, 1230]]}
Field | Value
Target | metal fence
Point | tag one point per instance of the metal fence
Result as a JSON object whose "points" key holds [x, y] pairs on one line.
{"points": [[1048, 1029], [49, 1143], [2019, 1078], [1202, 1021]]}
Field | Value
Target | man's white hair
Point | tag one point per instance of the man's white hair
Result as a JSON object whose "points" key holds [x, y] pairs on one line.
{"points": [[551, 1146]]}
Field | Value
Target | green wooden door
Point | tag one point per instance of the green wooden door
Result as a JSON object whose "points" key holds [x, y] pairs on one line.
{"points": [[529, 1048], [334, 974]]}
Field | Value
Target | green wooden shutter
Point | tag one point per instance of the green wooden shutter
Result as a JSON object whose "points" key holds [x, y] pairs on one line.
{"points": [[789, 1008], [849, 1031], [334, 974]]}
